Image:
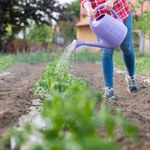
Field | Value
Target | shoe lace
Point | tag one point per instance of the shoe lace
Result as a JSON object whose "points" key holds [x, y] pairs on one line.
{"points": [[133, 82]]}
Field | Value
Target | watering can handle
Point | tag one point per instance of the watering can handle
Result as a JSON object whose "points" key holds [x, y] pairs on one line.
{"points": [[102, 6]]}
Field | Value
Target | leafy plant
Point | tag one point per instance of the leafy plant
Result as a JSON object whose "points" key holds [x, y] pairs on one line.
{"points": [[72, 118]]}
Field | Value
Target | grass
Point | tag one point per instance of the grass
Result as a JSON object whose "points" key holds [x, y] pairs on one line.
{"points": [[34, 57], [87, 56], [143, 64], [6, 60], [142, 61]]}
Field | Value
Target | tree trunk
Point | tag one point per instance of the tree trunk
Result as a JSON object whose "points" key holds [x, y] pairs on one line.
{"points": [[25, 42], [53, 47], [7, 42], [1, 47]]}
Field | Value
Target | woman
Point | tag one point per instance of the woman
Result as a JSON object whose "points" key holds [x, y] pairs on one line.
{"points": [[123, 10]]}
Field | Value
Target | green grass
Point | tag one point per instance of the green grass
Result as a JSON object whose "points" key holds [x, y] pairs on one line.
{"points": [[6, 60], [142, 61], [143, 64], [87, 56], [34, 57]]}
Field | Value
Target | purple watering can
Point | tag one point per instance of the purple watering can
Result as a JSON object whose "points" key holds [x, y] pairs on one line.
{"points": [[110, 31]]}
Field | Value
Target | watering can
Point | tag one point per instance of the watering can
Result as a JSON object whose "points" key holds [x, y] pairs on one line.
{"points": [[109, 30]]}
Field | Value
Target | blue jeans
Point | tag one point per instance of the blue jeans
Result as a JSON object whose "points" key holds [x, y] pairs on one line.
{"points": [[128, 56]]}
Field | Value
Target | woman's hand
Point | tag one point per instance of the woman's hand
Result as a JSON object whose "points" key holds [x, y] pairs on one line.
{"points": [[109, 5], [91, 12], [89, 9]]}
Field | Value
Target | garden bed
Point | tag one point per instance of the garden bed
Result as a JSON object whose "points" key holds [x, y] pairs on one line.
{"points": [[136, 107], [16, 96]]}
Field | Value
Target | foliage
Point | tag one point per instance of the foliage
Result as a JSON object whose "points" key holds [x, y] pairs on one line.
{"points": [[39, 34], [67, 29], [144, 23], [141, 16], [18, 13], [74, 8], [71, 116]]}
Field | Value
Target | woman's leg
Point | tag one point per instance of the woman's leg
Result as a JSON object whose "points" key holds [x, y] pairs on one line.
{"points": [[107, 66], [107, 70], [127, 48], [128, 55]]}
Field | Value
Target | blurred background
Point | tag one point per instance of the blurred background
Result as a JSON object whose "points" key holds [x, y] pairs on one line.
{"points": [[50, 25]]}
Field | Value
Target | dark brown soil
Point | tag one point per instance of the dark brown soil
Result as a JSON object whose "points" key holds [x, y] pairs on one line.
{"points": [[16, 92], [136, 106]]}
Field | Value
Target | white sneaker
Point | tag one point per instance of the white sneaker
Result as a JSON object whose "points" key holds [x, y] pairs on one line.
{"points": [[109, 93], [132, 85]]}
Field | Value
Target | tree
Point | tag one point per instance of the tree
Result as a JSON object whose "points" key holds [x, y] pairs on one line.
{"points": [[40, 34], [68, 31], [141, 21], [18, 13], [74, 9], [67, 28]]}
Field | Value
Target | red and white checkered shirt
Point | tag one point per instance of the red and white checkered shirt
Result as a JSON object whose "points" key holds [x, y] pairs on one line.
{"points": [[120, 6]]}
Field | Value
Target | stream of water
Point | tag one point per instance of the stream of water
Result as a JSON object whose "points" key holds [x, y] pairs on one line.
{"points": [[66, 58]]}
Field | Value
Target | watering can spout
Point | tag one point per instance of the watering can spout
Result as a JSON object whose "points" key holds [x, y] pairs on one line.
{"points": [[77, 43], [102, 44]]}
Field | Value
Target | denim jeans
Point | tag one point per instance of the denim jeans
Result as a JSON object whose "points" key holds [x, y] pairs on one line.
{"points": [[128, 56]]}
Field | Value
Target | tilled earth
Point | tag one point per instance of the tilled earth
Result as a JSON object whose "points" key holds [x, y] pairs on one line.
{"points": [[16, 85], [136, 106], [16, 94]]}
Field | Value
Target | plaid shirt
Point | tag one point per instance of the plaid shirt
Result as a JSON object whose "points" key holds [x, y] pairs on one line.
{"points": [[120, 6]]}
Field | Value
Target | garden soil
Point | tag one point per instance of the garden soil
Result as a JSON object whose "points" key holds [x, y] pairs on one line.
{"points": [[16, 84], [16, 95], [136, 106]]}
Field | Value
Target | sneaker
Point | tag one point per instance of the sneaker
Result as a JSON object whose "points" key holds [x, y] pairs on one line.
{"points": [[132, 85], [109, 93]]}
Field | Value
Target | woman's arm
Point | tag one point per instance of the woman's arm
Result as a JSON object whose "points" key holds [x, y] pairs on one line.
{"points": [[87, 5], [109, 4], [84, 1], [90, 11]]}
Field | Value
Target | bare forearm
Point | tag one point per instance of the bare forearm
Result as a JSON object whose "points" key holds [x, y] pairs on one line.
{"points": [[109, 4], [87, 5], [112, 1]]}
